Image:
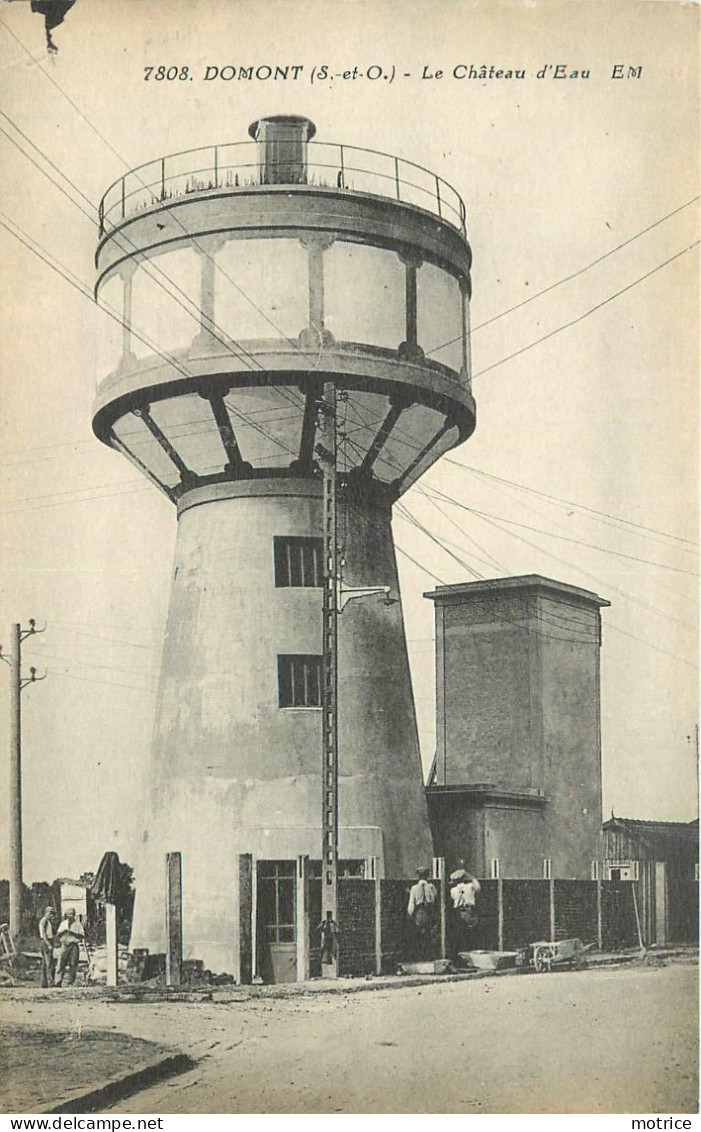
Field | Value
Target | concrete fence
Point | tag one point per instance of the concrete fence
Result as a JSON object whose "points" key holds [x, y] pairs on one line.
{"points": [[376, 933]]}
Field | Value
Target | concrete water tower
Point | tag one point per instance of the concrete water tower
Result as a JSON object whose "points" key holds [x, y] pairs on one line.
{"points": [[249, 275]]}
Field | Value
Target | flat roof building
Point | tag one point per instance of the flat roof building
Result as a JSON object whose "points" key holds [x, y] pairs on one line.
{"points": [[515, 787]]}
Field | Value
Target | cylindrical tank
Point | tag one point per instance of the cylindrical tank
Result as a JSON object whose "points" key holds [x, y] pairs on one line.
{"points": [[247, 276]]}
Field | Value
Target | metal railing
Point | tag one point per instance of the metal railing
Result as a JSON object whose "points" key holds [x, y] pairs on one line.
{"points": [[238, 165]]}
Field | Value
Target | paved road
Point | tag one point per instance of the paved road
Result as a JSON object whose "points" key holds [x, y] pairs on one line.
{"points": [[607, 1041], [610, 1040]]}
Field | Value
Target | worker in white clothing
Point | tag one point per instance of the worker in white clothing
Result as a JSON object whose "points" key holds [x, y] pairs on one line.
{"points": [[463, 893], [70, 936], [422, 913]]}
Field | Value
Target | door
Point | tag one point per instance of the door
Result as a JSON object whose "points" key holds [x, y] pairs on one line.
{"points": [[277, 934]]}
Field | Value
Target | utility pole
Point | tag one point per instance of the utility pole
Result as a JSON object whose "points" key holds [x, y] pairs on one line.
{"points": [[328, 459], [335, 598], [17, 684]]}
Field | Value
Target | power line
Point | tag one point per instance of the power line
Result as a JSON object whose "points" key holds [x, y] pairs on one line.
{"points": [[567, 502], [173, 215], [581, 317], [107, 640], [578, 542], [608, 624], [106, 683], [586, 573], [78, 285], [581, 270]]}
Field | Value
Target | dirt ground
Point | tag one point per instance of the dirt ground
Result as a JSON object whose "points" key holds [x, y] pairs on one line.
{"points": [[41, 1067], [611, 1040]]}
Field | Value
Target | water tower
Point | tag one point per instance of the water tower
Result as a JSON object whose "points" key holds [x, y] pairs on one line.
{"points": [[249, 276]]}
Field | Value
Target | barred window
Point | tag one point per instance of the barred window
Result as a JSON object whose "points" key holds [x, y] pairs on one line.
{"points": [[299, 561], [299, 681]]}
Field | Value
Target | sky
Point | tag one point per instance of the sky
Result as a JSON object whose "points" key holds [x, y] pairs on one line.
{"points": [[586, 393]]}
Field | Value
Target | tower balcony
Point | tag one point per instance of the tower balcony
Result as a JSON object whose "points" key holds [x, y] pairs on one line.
{"points": [[238, 167]]}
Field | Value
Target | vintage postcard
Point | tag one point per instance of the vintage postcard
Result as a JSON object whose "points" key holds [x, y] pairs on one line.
{"points": [[349, 547]]}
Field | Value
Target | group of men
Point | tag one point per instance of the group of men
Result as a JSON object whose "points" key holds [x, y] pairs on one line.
{"points": [[69, 937], [423, 906]]}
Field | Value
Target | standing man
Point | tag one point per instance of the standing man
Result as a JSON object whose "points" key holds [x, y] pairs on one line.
{"points": [[463, 893], [421, 911], [46, 944], [70, 935]]}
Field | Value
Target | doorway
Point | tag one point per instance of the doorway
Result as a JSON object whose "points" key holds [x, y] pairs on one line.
{"points": [[276, 921]]}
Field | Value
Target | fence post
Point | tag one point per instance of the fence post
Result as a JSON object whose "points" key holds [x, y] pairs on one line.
{"points": [[375, 874], [245, 918], [551, 883], [500, 914], [439, 874], [174, 920], [599, 920], [111, 930], [302, 897]]}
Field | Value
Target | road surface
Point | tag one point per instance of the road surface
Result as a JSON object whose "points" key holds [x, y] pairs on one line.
{"points": [[610, 1040]]}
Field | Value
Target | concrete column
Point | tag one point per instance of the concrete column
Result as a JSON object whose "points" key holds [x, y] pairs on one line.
{"points": [[412, 262], [551, 885], [174, 920], [111, 932], [374, 871], [245, 918], [599, 921], [500, 914], [302, 899], [439, 874]]}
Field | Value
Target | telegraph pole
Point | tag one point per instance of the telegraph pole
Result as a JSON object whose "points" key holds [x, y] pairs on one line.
{"points": [[17, 684], [328, 459], [335, 598]]}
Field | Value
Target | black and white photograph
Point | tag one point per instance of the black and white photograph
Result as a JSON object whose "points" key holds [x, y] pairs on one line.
{"points": [[349, 559]]}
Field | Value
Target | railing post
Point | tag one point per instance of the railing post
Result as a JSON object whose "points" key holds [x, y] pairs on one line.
{"points": [[163, 178], [123, 197], [396, 176], [216, 167], [438, 196], [343, 171]]}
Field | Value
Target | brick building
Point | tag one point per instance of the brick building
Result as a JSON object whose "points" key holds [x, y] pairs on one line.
{"points": [[515, 787]]}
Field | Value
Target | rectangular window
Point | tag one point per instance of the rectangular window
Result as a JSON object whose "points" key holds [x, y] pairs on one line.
{"points": [[494, 868], [353, 867], [276, 900], [299, 681], [547, 868], [299, 561]]}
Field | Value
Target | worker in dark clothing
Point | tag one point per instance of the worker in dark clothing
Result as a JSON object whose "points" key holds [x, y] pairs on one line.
{"points": [[329, 939], [54, 13]]}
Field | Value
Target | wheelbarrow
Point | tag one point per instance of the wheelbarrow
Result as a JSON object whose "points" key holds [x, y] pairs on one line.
{"points": [[545, 955]]}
